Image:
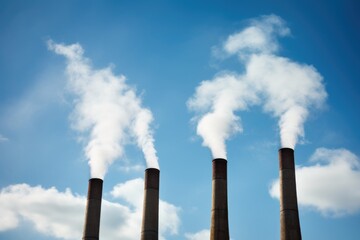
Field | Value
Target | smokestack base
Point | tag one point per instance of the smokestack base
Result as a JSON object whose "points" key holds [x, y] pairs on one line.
{"points": [[93, 210]]}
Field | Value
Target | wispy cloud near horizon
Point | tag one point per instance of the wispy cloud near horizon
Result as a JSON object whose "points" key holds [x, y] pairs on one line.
{"points": [[200, 235], [61, 214]]}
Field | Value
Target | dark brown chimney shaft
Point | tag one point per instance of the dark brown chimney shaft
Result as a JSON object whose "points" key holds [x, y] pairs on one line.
{"points": [[289, 214], [93, 210], [150, 220], [219, 229]]}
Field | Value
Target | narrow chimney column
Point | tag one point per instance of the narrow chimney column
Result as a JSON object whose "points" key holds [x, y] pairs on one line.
{"points": [[219, 228], [289, 214], [150, 220], [93, 210]]}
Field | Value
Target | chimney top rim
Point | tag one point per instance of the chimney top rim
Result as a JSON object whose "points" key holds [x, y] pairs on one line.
{"points": [[96, 179], [152, 169], [285, 148], [219, 159]]}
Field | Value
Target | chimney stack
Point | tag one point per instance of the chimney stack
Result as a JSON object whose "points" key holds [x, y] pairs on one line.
{"points": [[93, 210], [219, 229], [150, 220], [289, 214]]}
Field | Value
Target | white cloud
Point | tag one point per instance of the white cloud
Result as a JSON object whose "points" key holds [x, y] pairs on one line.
{"points": [[132, 192], [168, 218], [201, 235], [61, 214], [331, 185]]}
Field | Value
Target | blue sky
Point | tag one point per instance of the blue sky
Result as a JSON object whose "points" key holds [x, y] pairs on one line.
{"points": [[165, 49]]}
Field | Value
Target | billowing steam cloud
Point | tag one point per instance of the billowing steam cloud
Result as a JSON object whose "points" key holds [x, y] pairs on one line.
{"points": [[107, 111], [286, 89], [289, 90], [217, 100]]}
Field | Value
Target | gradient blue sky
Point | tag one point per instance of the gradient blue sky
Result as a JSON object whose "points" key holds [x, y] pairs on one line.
{"points": [[164, 48]]}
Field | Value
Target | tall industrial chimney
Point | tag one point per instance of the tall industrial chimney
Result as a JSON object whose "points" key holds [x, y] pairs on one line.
{"points": [[150, 220], [289, 214], [93, 210], [219, 228]]}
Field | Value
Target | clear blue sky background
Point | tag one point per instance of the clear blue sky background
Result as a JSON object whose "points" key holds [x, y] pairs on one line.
{"points": [[164, 50]]}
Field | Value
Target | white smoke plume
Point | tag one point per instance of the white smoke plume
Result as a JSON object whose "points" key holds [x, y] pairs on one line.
{"points": [[144, 136], [216, 102], [259, 37], [106, 111], [286, 89], [289, 90]]}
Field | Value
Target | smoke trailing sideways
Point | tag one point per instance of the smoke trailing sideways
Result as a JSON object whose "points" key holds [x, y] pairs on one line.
{"points": [[107, 111], [286, 89]]}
